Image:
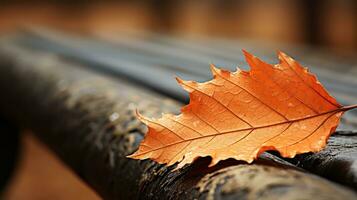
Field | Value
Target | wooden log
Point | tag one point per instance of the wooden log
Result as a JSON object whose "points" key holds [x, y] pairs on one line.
{"points": [[88, 121], [337, 162], [9, 150], [158, 58]]}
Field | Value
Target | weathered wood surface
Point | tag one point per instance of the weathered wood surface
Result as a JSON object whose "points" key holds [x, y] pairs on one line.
{"points": [[88, 120], [336, 162], [162, 57]]}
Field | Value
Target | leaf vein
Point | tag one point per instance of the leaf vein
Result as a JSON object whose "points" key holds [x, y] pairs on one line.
{"points": [[252, 95], [252, 128]]}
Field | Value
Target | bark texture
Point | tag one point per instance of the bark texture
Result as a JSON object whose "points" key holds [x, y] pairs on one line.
{"points": [[336, 162], [88, 120]]}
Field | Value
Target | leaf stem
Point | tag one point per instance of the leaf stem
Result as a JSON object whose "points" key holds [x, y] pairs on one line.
{"points": [[345, 108]]}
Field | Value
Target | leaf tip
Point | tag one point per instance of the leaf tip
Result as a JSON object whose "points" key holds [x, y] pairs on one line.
{"points": [[254, 62], [132, 156], [246, 53], [186, 85], [214, 69], [179, 80], [280, 53], [284, 57], [250, 58], [221, 72]]}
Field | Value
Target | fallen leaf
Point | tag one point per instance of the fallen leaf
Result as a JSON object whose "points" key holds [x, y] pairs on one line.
{"points": [[242, 114]]}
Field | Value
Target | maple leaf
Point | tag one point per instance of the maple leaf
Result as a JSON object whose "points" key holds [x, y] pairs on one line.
{"points": [[242, 114]]}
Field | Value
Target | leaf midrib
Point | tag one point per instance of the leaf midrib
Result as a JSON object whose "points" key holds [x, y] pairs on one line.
{"points": [[340, 109]]}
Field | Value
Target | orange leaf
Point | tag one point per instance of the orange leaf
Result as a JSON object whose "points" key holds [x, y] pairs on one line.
{"points": [[242, 114]]}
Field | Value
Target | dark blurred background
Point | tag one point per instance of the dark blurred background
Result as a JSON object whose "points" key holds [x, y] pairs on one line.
{"points": [[326, 23]]}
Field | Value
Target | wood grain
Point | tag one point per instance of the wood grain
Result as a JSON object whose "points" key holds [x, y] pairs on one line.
{"points": [[88, 120]]}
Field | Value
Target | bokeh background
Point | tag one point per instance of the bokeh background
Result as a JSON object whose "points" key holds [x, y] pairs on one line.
{"points": [[323, 24]]}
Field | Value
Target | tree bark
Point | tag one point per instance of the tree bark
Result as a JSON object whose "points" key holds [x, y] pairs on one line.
{"points": [[89, 121], [337, 161]]}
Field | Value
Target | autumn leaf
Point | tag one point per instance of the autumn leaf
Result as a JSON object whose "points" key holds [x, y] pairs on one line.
{"points": [[242, 114]]}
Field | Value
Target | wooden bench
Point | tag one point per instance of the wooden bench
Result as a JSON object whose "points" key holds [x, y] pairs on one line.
{"points": [[79, 95]]}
